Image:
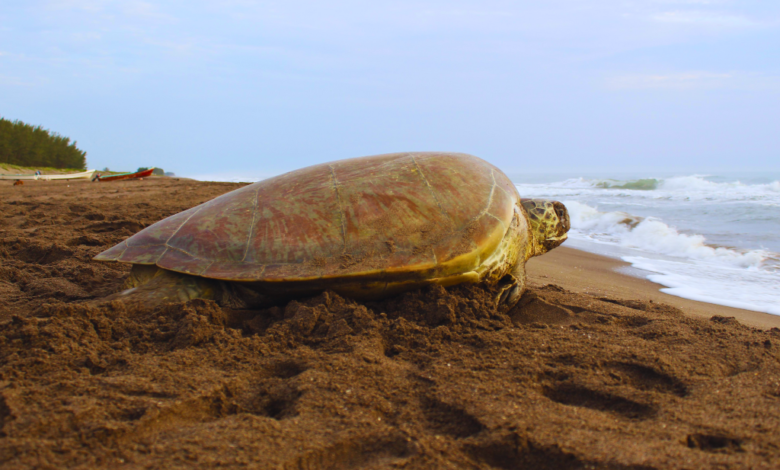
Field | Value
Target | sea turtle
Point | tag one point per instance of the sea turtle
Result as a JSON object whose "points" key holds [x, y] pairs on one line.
{"points": [[363, 227]]}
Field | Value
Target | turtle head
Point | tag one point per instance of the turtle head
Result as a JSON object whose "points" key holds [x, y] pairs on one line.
{"points": [[549, 224]]}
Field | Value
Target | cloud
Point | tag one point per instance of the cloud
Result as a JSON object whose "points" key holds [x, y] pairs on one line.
{"points": [[84, 5], [692, 2], [141, 9], [694, 80], [109, 10], [704, 18], [371, 40], [10, 81]]}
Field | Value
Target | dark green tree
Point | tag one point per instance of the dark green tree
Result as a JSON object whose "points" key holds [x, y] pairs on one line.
{"points": [[27, 145]]}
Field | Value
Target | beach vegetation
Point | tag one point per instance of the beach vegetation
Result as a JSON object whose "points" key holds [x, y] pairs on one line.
{"points": [[8, 168], [26, 145]]}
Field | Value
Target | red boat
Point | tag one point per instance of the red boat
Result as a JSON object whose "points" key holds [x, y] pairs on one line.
{"points": [[125, 176]]}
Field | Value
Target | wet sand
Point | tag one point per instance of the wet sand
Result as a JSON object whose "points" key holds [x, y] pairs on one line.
{"points": [[594, 369], [588, 273]]}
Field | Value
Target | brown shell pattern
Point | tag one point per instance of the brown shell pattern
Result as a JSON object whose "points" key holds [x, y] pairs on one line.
{"points": [[393, 213]]}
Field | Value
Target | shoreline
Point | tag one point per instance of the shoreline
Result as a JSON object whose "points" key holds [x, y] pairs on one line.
{"points": [[590, 273]]}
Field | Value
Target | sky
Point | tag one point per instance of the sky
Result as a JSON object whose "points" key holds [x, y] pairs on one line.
{"points": [[257, 88]]}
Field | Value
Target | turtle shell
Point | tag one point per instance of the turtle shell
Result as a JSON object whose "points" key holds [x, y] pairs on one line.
{"points": [[396, 215]]}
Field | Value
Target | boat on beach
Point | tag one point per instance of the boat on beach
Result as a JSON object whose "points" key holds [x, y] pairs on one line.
{"points": [[89, 174], [125, 176]]}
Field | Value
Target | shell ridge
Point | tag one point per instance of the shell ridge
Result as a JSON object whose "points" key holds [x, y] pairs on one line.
{"points": [[160, 257], [252, 225], [123, 251], [485, 211], [183, 251], [490, 198], [502, 189], [183, 223], [499, 220], [430, 188], [341, 207], [206, 268], [148, 245]]}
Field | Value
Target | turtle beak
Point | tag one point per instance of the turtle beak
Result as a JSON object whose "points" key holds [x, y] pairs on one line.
{"points": [[553, 242]]}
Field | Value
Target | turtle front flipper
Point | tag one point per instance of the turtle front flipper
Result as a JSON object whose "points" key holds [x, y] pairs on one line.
{"points": [[510, 288]]}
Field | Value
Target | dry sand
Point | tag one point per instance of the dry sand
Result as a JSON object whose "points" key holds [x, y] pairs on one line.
{"points": [[594, 369]]}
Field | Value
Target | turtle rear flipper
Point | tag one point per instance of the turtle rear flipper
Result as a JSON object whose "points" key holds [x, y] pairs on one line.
{"points": [[153, 286]]}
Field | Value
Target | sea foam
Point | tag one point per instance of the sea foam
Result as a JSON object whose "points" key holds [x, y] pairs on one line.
{"points": [[751, 289], [688, 267], [654, 236], [678, 188], [665, 227]]}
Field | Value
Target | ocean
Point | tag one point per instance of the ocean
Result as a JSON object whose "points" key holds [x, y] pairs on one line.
{"points": [[712, 237], [709, 237]]}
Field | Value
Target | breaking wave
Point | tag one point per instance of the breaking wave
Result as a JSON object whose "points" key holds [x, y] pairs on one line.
{"points": [[678, 188], [685, 263], [654, 236]]}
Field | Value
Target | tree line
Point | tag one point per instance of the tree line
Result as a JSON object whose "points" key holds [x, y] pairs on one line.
{"points": [[27, 145]]}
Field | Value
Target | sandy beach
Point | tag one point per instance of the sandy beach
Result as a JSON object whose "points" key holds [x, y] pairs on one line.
{"points": [[593, 369]]}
